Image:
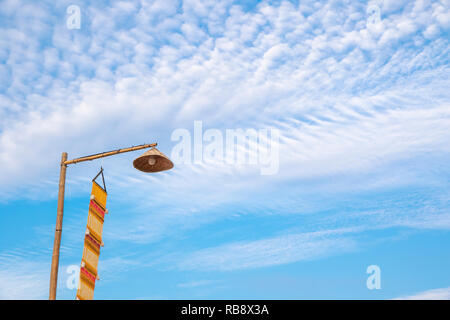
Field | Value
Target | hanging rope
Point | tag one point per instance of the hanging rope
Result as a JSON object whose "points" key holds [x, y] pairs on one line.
{"points": [[103, 178]]}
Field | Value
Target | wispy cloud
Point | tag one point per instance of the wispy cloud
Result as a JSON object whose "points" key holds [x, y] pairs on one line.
{"points": [[268, 252], [23, 278], [434, 294], [195, 283]]}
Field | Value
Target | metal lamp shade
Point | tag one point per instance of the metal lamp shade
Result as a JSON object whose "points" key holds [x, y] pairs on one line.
{"points": [[153, 160]]}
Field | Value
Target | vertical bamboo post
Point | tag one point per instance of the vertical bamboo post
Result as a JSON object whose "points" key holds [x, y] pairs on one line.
{"points": [[58, 228]]}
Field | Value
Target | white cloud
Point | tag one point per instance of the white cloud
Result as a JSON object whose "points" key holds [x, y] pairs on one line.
{"points": [[268, 252], [434, 294], [22, 279], [195, 283], [143, 82]]}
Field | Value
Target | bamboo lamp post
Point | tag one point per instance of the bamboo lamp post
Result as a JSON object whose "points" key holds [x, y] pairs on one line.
{"points": [[151, 161]]}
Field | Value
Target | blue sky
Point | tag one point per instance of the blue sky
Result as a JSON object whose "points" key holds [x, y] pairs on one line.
{"points": [[361, 102]]}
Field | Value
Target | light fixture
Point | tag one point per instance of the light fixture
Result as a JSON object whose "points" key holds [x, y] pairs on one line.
{"points": [[153, 160]]}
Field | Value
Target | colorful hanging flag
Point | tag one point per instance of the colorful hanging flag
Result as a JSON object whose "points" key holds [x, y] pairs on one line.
{"points": [[92, 240]]}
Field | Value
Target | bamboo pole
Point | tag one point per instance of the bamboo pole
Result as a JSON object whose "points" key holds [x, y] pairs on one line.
{"points": [[110, 153], [58, 228]]}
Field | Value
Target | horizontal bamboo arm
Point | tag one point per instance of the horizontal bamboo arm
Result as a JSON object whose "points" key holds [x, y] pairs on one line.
{"points": [[109, 153]]}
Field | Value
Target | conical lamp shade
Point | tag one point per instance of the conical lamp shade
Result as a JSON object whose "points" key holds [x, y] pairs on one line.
{"points": [[153, 160]]}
